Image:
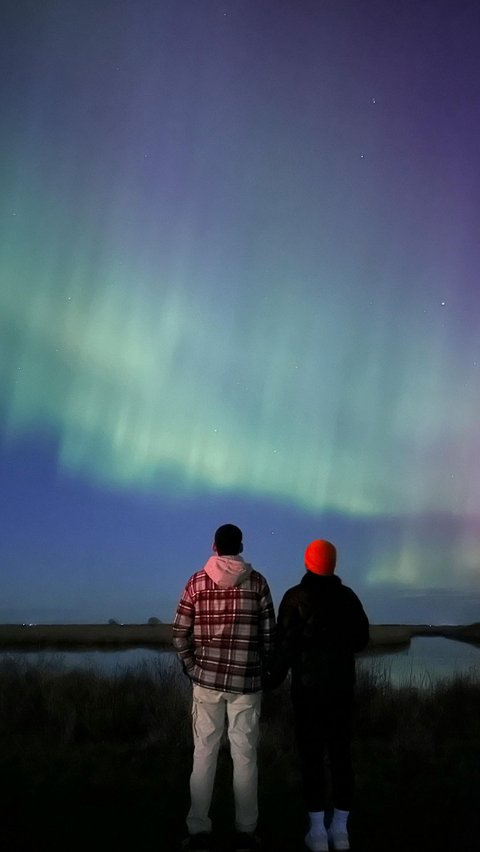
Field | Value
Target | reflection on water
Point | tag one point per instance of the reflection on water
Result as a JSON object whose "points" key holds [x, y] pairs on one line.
{"points": [[110, 663], [426, 661]]}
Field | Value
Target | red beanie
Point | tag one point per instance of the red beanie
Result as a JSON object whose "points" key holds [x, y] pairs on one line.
{"points": [[320, 557]]}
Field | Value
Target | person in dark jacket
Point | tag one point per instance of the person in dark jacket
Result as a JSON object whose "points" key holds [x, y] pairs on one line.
{"points": [[321, 625]]}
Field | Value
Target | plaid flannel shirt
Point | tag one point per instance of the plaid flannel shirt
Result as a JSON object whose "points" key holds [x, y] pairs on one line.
{"points": [[224, 637]]}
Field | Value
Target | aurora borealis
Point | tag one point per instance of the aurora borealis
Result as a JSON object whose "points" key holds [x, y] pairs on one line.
{"points": [[239, 281]]}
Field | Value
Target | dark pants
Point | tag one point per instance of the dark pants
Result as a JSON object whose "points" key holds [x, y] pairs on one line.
{"points": [[323, 730]]}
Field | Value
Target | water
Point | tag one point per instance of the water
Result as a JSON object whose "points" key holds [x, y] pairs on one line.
{"points": [[110, 663], [426, 661]]}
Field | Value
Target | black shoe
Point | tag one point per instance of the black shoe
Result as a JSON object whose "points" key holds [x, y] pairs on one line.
{"points": [[246, 842], [201, 842]]}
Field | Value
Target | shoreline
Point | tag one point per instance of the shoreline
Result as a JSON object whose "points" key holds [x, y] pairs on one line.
{"points": [[114, 636]]}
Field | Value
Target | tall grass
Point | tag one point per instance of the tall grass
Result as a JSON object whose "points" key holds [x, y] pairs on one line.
{"points": [[105, 760]]}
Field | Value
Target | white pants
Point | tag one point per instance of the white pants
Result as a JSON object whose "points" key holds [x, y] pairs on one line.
{"points": [[208, 714]]}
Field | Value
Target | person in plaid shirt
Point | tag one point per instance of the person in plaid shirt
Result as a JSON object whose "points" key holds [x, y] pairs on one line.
{"points": [[223, 633]]}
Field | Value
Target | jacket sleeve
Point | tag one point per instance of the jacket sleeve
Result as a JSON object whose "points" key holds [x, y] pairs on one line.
{"points": [[267, 626], [360, 626], [284, 643], [183, 631]]}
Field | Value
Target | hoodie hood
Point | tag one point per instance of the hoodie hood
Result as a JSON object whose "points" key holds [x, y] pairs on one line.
{"points": [[227, 571]]}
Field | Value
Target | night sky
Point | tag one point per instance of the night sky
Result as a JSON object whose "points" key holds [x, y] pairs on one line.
{"points": [[239, 282]]}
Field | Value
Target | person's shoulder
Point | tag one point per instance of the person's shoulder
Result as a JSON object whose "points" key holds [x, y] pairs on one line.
{"points": [[196, 574], [196, 578], [258, 582], [349, 593], [292, 593], [258, 577]]}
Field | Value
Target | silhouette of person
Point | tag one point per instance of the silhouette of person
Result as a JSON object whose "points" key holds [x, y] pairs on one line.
{"points": [[224, 632], [321, 625]]}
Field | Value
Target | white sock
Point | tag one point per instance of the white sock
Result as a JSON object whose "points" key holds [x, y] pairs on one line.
{"points": [[316, 838], [317, 822], [339, 820]]}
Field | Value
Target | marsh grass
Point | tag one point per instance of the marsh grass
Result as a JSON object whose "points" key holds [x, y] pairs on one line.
{"points": [[103, 762]]}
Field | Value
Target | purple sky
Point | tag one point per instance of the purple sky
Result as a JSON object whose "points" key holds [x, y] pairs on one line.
{"points": [[239, 282]]}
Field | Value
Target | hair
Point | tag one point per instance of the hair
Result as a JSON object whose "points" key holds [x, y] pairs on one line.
{"points": [[228, 540]]}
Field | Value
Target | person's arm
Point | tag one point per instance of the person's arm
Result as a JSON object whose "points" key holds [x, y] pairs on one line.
{"points": [[267, 621], [360, 626], [267, 628], [183, 632], [283, 654]]}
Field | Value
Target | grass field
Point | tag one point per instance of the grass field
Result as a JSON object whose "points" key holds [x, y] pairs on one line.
{"points": [[100, 763], [84, 636]]}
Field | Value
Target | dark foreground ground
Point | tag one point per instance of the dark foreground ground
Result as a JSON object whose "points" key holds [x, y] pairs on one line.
{"points": [[95, 763]]}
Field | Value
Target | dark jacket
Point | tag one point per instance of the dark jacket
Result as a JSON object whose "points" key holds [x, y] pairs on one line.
{"points": [[321, 625]]}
